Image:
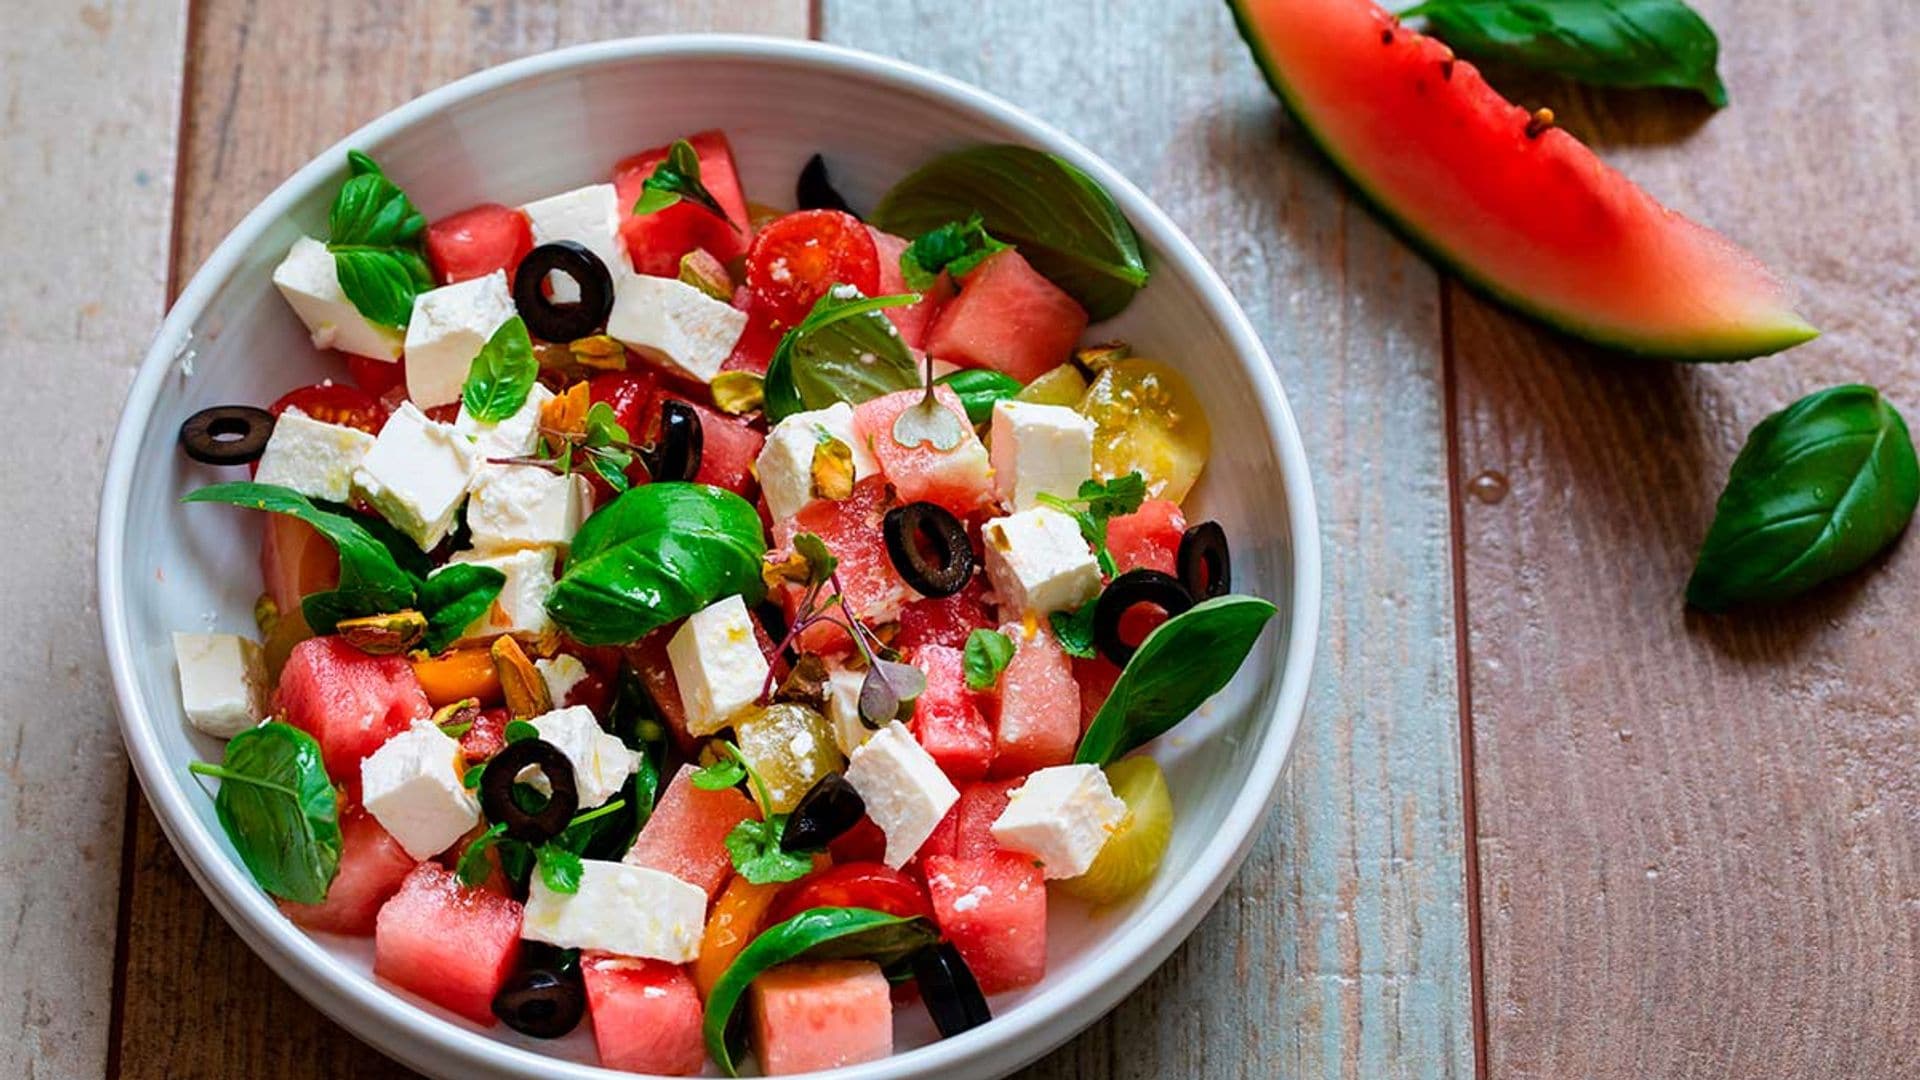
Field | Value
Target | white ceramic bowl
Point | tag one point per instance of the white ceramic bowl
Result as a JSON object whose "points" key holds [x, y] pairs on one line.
{"points": [[551, 122]]}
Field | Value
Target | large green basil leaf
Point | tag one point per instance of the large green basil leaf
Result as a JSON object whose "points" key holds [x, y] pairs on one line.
{"points": [[1603, 42], [657, 553], [815, 934], [374, 233], [844, 350], [1820, 487], [279, 809], [1063, 222], [502, 375], [1185, 661], [453, 598]]}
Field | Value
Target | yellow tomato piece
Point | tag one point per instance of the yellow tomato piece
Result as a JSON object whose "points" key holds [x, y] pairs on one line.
{"points": [[1063, 385], [791, 747], [1128, 859], [457, 675], [1147, 419], [736, 918]]}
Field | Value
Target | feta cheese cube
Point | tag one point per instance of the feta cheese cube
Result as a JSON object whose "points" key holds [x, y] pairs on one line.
{"points": [[588, 216], [718, 665], [843, 709], [308, 281], [905, 791], [1061, 816], [449, 326], [627, 910], [561, 674], [521, 607], [411, 786], [673, 323], [516, 436], [1039, 448], [516, 506], [785, 465], [417, 474], [601, 762], [313, 458], [223, 682], [1039, 563]]}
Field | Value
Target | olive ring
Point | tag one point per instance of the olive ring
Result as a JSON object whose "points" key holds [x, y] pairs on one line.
{"points": [[916, 525], [549, 319], [676, 456], [1128, 590], [828, 809], [1203, 562], [226, 434], [496, 790]]}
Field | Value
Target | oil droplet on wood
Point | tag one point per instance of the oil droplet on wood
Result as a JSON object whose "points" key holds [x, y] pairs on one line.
{"points": [[1489, 487]]}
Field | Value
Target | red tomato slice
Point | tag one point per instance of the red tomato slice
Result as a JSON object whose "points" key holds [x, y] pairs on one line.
{"points": [[335, 403], [862, 885], [376, 377], [797, 258], [630, 395], [477, 241]]}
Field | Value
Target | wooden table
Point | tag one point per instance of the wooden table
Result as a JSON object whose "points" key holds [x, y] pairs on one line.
{"points": [[1541, 822]]}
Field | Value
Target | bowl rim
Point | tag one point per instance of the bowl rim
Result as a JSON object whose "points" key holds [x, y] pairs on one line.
{"points": [[412, 1034]]}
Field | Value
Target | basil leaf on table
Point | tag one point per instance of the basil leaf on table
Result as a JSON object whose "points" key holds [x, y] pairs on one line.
{"points": [[1819, 488], [1602, 42], [375, 236], [279, 810], [987, 654], [657, 553], [502, 375], [816, 934], [1185, 661], [1064, 223], [844, 350], [978, 389], [453, 598]]}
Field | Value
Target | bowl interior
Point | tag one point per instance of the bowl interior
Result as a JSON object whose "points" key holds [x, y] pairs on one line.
{"points": [[542, 128]]}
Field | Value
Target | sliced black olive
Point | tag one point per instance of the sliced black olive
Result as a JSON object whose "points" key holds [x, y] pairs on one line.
{"points": [[676, 456], [226, 434], [1205, 569], [543, 1001], [947, 986], [829, 808], [547, 318], [929, 547], [814, 191], [531, 824], [1129, 589]]}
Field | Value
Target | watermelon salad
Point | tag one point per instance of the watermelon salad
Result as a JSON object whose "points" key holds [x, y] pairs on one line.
{"points": [[714, 625]]}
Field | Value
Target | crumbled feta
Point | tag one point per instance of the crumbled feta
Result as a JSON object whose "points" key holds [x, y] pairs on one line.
{"points": [[313, 458], [1039, 563], [670, 322], [1039, 448], [588, 216], [561, 674], [718, 665], [1061, 816], [516, 436], [621, 909], [521, 607], [905, 791], [449, 326], [843, 708], [417, 474], [785, 465], [516, 506], [308, 280], [411, 786], [601, 762], [223, 682]]}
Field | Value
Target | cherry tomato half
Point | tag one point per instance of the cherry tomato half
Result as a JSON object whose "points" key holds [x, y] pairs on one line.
{"points": [[797, 258], [863, 885], [335, 403], [376, 377]]}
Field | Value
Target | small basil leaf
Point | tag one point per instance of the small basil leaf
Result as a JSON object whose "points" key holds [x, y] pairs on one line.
{"points": [[519, 730], [987, 654], [1074, 631], [758, 856], [821, 562], [472, 867], [453, 598], [279, 810], [844, 350], [725, 773], [374, 233], [502, 375], [956, 247], [978, 389], [560, 869], [678, 177], [1819, 488]]}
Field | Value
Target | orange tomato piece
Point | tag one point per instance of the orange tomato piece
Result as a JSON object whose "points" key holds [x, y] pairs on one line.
{"points": [[735, 920], [458, 675]]}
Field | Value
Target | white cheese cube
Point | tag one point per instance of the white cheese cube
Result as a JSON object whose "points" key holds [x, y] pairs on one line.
{"points": [[411, 786], [313, 458], [673, 323], [417, 474], [627, 910], [306, 277], [718, 665], [516, 436], [449, 326], [1061, 816], [588, 216], [1039, 563], [516, 506], [561, 674], [601, 762], [843, 709], [1039, 448], [521, 607], [223, 682], [905, 791], [785, 465]]}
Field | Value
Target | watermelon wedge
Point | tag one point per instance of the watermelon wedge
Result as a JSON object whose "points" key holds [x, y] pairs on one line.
{"points": [[1514, 205]]}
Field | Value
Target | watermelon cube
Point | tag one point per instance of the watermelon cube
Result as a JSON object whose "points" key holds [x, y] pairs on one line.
{"points": [[372, 866], [851, 530], [1008, 318], [912, 320], [958, 479], [350, 702], [994, 910], [1039, 711], [946, 716], [967, 830], [820, 1015], [1148, 538], [447, 943], [945, 620], [477, 241], [687, 834], [656, 241], [646, 1015], [1096, 678]]}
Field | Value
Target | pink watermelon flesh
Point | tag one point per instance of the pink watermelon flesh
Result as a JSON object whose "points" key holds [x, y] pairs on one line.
{"points": [[1039, 717], [348, 701], [945, 620], [1096, 678], [687, 834], [946, 716], [1008, 318], [994, 910], [447, 943], [957, 479], [646, 1015], [1148, 538], [851, 530], [912, 320], [967, 830], [372, 867], [820, 1015]]}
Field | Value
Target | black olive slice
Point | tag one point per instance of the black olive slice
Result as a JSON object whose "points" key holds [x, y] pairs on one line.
{"points": [[226, 434], [547, 318], [814, 191], [947, 986], [496, 790], [1131, 588], [829, 808], [676, 456], [929, 547], [543, 1001], [1205, 568]]}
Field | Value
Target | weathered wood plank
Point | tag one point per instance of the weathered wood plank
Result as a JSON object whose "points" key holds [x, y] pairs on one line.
{"points": [[270, 85], [91, 106], [1342, 948], [1697, 834]]}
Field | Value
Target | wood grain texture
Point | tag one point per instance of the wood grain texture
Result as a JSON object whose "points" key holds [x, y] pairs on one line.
{"points": [[1341, 949], [85, 211], [1698, 835]]}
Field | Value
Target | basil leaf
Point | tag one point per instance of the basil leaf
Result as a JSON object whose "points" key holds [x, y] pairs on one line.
{"points": [[678, 177], [956, 247], [978, 389], [844, 350], [1185, 661], [987, 654], [722, 774], [381, 284], [1064, 224], [502, 375], [817, 933], [1074, 631], [1602, 42], [654, 554], [375, 234], [519, 730], [371, 209], [1819, 488], [279, 810], [453, 598], [406, 554], [560, 869], [758, 856]]}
